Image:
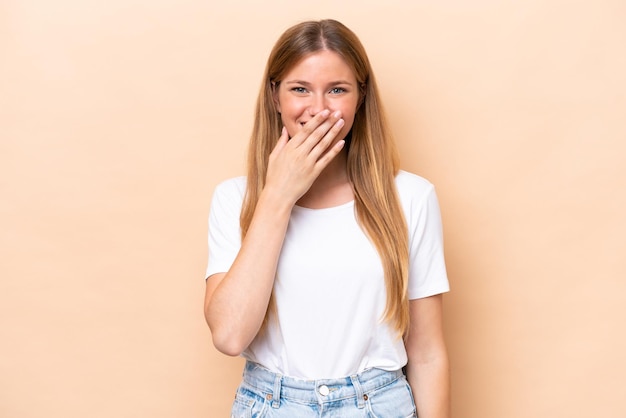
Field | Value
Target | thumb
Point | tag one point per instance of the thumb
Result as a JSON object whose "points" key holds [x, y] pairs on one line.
{"points": [[282, 140]]}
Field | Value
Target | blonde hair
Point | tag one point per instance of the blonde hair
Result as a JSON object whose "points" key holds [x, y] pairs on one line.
{"points": [[372, 161]]}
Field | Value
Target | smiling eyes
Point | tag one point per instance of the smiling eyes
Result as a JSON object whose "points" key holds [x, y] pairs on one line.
{"points": [[334, 90]]}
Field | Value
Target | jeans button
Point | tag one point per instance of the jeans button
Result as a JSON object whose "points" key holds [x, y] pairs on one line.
{"points": [[324, 391]]}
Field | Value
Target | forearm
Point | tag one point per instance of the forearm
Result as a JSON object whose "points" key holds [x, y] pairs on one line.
{"points": [[236, 302], [428, 368], [430, 383], [236, 306]]}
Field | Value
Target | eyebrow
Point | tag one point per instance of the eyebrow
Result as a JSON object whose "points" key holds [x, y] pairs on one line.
{"points": [[306, 83]]}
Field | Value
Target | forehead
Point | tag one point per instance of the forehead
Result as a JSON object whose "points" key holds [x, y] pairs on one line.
{"points": [[321, 65]]}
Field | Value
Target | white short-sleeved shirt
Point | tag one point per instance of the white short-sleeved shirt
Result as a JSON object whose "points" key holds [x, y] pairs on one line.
{"points": [[330, 287]]}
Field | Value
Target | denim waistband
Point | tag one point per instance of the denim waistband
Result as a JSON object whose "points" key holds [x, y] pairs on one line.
{"points": [[275, 386]]}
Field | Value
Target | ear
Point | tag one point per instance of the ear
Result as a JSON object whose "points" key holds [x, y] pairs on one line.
{"points": [[275, 86], [362, 91]]}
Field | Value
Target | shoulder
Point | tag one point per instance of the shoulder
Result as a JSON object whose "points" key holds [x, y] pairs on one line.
{"points": [[412, 187], [232, 187], [229, 194]]}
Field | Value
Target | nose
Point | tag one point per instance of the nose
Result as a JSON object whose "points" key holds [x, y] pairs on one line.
{"points": [[317, 104]]}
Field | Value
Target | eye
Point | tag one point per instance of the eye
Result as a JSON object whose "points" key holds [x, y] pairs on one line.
{"points": [[300, 90], [337, 90]]}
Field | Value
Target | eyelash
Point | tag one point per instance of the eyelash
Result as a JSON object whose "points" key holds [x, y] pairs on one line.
{"points": [[334, 90]]}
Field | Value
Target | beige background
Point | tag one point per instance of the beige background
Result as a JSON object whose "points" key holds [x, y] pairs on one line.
{"points": [[119, 117]]}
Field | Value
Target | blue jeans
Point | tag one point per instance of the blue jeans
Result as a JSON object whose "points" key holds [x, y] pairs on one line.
{"points": [[374, 393]]}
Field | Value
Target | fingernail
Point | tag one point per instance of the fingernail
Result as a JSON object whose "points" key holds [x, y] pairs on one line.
{"points": [[325, 113], [337, 114], [340, 122]]}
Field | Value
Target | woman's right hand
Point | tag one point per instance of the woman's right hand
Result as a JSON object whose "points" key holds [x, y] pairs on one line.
{"points": [[236, 301], [295, 163]]}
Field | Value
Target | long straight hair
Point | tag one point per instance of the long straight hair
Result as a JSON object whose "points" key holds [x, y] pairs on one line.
{"points": [[372, 162]]}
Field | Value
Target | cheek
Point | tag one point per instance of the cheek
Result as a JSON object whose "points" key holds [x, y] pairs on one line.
{"points": [[290, 107], [349, 113], [348, 109], [289, 122]]}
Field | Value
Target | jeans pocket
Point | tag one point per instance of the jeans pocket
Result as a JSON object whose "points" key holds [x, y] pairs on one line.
{"points": [[248, 404], [392, 401]]}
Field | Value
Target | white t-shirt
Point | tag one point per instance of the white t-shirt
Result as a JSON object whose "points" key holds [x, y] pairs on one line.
{"points": [[330, 287]]}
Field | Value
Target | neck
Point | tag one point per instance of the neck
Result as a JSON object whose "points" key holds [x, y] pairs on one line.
{"points": [[331, 188]]}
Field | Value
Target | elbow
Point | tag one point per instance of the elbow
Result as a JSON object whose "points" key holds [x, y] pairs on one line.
{"points": [[229, 337], [228, 344], [225, 337]]}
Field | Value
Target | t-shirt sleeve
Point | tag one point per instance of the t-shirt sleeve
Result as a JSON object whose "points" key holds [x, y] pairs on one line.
{"points": [[427, 267], [224, 229]]}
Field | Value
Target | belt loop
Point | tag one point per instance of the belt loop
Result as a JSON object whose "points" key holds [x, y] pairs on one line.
{"points": [[276, 394], [360, 399]]}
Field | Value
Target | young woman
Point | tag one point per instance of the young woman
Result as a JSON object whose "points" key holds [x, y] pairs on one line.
{"points": [[326, 263]]}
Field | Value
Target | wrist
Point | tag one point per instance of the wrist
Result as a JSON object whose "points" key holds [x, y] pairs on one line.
{"points": [[276, 200]]}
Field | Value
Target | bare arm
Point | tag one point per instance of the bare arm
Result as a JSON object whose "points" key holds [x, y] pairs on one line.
{"points": [[236, 301], [428, 368]]}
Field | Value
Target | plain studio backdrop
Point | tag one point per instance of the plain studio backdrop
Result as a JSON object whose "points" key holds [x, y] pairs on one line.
{"points": [[119, 117]]}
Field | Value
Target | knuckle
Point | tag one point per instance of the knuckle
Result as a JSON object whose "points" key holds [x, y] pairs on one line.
{"points": [[308, 128]]}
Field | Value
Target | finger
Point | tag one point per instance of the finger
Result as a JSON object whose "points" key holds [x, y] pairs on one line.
{"points": [[282, 141], [321, 132], [330, 136], [283, 138], [327, 157], [310, 127]]}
